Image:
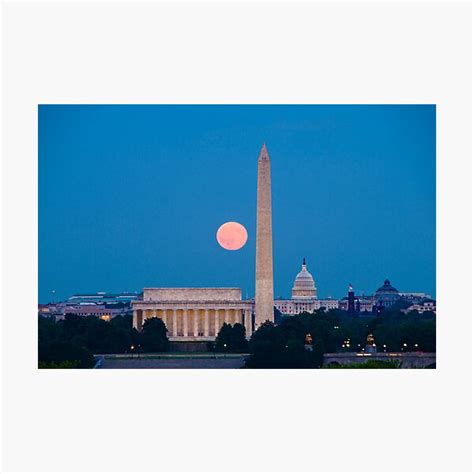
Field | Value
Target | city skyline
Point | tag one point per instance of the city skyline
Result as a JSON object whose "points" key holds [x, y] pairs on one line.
{"points": [[118, 184]]}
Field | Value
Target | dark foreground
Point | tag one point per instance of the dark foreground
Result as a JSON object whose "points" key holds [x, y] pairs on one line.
{"points": [[409, 360], [180, 362]]}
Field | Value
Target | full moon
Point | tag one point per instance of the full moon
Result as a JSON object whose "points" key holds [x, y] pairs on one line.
{"points": [[231, 236]]}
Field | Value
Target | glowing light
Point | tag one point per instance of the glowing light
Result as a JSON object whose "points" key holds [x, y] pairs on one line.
{"points": [[232, 236]]}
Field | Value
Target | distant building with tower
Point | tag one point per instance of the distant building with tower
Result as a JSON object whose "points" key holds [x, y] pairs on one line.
{"points": [[386, 295], [356, 304], [351, 307]]}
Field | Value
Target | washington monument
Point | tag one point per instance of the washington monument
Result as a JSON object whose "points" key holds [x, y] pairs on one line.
{"points": [[264, 258]]}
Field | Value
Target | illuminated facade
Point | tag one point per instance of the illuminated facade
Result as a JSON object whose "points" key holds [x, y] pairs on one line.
{"points": [[428, 305], [193, 314], [103, 305]]}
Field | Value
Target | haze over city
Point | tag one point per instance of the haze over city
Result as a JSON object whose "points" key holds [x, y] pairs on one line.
{"points": [[132, 196]]}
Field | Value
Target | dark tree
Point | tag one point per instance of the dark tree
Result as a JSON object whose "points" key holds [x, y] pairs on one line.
{"points": [[280, 346], [263, 346], [154, 336], [231, 338], [47, 330], [58, 352], [238, 342], [406, 332], [223, 338], [286, 345], [277, 315]]}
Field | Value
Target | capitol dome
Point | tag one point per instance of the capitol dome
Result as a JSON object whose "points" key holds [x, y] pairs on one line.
{"points": [[304, 286]]}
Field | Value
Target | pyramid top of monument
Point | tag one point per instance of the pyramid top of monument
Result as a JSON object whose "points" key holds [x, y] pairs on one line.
{"points": [[264, 153]]}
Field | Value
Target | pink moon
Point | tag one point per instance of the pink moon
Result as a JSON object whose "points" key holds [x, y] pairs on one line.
{"points": [[232, 236]]}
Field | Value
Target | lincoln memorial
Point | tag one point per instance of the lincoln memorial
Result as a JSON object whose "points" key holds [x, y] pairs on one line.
{"points": [[193, 314]]}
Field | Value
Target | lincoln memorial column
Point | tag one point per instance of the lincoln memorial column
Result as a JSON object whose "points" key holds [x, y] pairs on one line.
{"points": [[196, 322], [185, 322], [175, 323], [139, 320], [226, 318], [216, 322], [165, 319], [248, 323], [206, 322]]}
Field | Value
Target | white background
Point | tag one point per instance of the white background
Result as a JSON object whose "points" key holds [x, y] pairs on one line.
{"points": [[237, 420]]}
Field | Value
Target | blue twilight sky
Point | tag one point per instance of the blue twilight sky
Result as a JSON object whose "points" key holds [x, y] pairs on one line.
{"points": [[131, 196]]}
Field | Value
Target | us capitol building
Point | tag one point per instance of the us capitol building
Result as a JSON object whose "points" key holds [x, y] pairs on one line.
{"points": [[304, 296]]}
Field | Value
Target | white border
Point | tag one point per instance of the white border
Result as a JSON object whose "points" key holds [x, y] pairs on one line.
{"points": [[242, 420]]}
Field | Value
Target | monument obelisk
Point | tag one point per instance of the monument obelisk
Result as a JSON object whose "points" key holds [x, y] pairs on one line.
{"points": [[264, 257]]}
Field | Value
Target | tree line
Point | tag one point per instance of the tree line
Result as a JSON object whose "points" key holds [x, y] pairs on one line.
{"points": [[72, 342], [294, 342], [75, 339], [300, 341]]}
